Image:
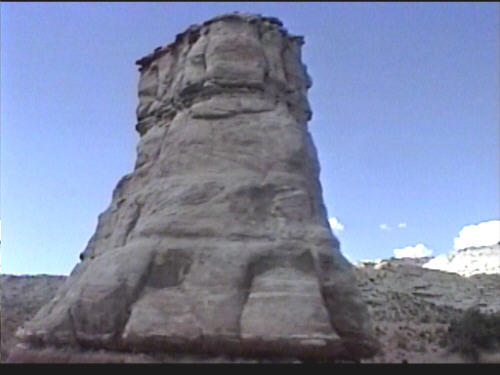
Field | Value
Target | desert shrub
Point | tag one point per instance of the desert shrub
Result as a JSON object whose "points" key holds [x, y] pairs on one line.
{"points": [[472, 332]]}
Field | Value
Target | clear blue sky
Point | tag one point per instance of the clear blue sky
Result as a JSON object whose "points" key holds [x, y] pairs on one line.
{"points": [[405, 101]]}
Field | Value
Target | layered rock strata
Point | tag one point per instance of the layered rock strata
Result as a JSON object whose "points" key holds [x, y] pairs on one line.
{"points": [[218, 241]]}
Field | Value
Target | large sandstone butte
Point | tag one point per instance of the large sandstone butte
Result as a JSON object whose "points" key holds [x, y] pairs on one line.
{"points": [[218, 241]]}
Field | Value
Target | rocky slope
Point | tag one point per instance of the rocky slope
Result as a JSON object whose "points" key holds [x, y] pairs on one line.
{"points": [[21, 297], [412, 306]]}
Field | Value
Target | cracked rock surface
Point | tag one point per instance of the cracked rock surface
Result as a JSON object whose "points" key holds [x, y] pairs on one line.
{"points": [[218, 241]]}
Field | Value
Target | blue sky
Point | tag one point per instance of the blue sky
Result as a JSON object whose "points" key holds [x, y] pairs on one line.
{"points": [[405, 102]]}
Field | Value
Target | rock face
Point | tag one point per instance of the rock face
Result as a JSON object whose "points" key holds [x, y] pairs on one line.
{"points": [[218, 242]]}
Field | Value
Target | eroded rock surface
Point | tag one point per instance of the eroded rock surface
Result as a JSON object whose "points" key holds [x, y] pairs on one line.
{"points": [[218, 241]]}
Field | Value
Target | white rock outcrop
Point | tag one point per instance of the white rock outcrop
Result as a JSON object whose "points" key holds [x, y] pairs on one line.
{"points": [[469, 261], [218, 241]]}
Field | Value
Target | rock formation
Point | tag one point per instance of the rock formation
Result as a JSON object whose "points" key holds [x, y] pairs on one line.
{"points": [[218, 241], [469, 261]]}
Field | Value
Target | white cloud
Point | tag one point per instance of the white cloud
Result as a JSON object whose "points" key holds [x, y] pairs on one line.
{"points": [[402, 225], [384, 227], [483, 234], [335, 224], [416, 251]]}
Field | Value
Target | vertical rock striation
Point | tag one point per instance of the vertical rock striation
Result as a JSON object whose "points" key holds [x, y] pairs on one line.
{"points": [[218, 241]]}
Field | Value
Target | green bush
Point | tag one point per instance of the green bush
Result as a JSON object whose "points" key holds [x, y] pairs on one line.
{"points": [[473, 332]]}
